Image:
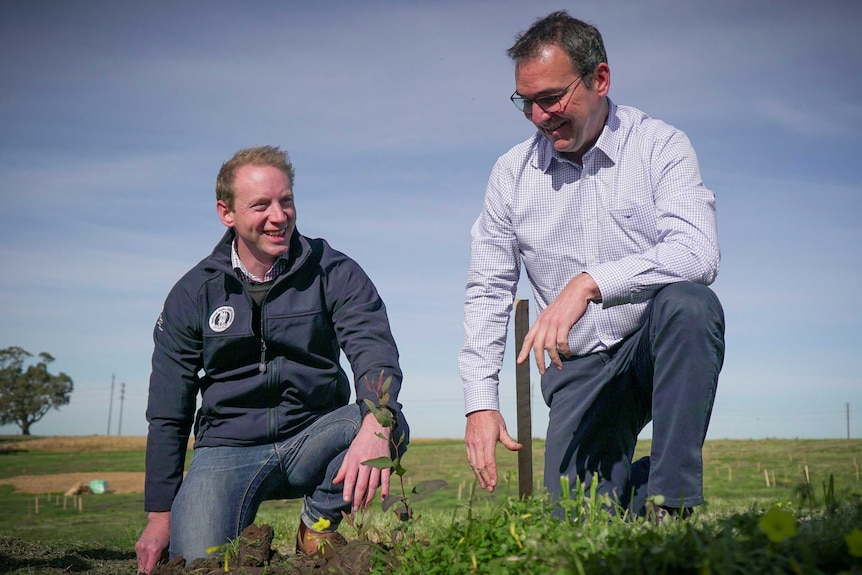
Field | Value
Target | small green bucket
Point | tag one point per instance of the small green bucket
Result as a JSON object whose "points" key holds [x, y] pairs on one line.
{"points": [[99, 486]]}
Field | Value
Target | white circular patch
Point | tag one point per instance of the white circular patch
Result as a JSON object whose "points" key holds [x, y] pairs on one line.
{"points": [[221, 318]]}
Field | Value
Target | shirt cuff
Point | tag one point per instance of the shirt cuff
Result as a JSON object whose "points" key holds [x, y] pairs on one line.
{"points": [[481, 396]]}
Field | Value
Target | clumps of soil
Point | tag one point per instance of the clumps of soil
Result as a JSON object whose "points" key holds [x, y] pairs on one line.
{"points": [[254, 555]]}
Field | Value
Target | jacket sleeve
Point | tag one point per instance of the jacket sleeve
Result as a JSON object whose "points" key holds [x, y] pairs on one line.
{"points": [[172, 397], [362, 327]]}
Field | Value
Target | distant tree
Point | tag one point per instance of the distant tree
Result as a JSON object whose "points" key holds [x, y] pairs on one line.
{"points": [[26, 395]]}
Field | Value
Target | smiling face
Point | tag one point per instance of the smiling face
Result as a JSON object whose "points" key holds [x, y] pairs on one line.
{"points": [[263, 215], [574, 124]]}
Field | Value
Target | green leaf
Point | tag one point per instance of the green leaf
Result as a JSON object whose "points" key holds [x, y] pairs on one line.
{"points": [[391, 500], [854, 542], [382, 415], [380, 463], [425, 488]]}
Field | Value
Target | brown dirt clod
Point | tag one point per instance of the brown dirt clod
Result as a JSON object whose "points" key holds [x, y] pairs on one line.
{"points": [[255, 556]]}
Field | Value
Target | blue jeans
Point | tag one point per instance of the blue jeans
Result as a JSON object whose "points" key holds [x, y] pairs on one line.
{"points": [[224, 487], [667, 372]]}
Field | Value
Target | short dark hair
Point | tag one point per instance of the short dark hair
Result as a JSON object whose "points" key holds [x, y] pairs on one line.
{"points": [[256, 156], [581, 41]]}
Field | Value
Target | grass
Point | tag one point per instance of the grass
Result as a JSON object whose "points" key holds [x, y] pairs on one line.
{"points": [[472, 531], [110, 519], [735, 471], [49, 463], [517, 537]]}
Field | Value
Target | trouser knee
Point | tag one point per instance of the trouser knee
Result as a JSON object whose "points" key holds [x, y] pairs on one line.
{"points": [[694, 304]]}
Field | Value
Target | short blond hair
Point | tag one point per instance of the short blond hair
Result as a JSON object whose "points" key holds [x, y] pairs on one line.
{"points": [[256, 156]]}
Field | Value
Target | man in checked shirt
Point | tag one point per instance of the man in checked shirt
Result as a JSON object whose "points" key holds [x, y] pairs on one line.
{"points": [[605, 208]]}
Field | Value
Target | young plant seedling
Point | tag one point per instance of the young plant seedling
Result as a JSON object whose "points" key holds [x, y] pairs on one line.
{"points": [[402, 503]]}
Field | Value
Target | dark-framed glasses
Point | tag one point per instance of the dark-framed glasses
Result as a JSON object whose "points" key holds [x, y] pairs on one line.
{"points": [[547, 103]]}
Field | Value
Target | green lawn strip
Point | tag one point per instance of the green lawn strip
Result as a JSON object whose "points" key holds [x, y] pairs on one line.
{"points": [[100, 519], [24, 557], [735, 485], [16, 463], [51, 462], [519, 537]]}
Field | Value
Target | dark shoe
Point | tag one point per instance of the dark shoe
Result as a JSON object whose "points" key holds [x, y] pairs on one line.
{"points": [[634, 497], [659, 513]]}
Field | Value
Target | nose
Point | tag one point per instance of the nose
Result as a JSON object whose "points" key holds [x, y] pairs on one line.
{"points": [[277, 213], [538, 115]]}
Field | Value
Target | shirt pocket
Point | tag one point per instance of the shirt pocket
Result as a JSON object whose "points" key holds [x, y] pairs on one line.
{"points": [[630, 230]]}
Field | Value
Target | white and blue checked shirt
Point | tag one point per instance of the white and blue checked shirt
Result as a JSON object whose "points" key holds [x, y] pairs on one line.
{"points": [[635, 217]]}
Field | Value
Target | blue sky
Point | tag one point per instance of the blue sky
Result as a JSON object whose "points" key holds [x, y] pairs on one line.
{"points": [[115, 117]]}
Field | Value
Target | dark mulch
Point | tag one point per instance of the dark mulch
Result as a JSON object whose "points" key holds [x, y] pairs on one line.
{"points": [[255, 556]]}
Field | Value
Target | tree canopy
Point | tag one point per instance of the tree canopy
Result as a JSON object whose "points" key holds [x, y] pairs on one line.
{"points": [[27, 394]]}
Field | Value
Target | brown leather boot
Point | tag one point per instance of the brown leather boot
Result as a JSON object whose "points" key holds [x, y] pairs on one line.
{"points": [[309, 541]]}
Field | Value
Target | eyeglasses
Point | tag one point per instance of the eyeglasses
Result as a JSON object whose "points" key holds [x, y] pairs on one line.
{"points": [[546, 103]]}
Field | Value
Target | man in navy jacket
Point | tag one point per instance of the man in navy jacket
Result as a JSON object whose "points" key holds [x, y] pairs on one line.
{"points": [[257, 328]]}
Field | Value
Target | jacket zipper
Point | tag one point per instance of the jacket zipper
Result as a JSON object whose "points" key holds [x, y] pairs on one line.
{"points": [[270, 412]]}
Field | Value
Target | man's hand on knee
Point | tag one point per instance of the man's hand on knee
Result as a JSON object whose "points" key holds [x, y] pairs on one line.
{"points": [[361, 481]]}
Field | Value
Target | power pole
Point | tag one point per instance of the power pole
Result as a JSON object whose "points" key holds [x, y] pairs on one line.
{"points": [[110, 405], [122, 396], [848, 421]]}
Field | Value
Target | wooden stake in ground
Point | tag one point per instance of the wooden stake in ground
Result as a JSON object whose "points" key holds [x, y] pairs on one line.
{"points": [[522, 393]]}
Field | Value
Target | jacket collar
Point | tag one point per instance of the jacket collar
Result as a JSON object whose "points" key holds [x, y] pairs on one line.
{"points": [[298, 252]]}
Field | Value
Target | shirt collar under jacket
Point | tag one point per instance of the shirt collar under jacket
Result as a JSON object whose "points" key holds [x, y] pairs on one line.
{"points": [[607, 143], [279, 267]]}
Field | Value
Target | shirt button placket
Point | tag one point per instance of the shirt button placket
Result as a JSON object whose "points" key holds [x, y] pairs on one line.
{"points": [[589, 194]]}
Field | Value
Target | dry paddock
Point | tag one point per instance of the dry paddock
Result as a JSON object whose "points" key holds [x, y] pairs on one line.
{"points": [[118, 482]]}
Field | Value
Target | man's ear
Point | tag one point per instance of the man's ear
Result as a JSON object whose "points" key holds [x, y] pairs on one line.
{"points": [[602, 79], [224, 213]]}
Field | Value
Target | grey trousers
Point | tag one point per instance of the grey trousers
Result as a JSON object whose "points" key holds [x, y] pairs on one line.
{"points": [[667, 372]]}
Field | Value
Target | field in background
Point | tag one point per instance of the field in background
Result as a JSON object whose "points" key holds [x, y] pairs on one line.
{"points": [[732, 468], [736, 473]]}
